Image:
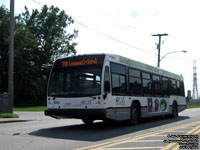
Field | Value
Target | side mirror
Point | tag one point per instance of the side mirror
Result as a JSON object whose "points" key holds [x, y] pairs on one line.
{"points": [[107, 86]]}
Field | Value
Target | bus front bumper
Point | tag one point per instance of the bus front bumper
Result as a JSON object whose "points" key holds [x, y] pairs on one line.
{"points": [[76, 113]]}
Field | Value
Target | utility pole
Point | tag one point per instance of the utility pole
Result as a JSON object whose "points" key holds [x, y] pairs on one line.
{"points": [[11, 59], [159, 45]]}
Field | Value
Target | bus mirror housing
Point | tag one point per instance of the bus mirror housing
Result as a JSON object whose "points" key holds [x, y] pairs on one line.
{"points": [[107, 86]]}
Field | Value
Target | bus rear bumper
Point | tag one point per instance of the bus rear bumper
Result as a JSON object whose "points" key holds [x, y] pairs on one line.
{"points": [[76, 113]]}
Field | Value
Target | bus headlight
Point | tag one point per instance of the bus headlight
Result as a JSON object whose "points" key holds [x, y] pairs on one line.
{"points": [[50, 104]]}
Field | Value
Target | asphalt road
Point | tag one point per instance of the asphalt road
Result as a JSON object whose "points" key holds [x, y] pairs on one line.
{"points": [[38, 132]]}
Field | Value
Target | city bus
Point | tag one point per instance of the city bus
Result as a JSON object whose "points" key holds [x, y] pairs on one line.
{"points": [[112, 87]]}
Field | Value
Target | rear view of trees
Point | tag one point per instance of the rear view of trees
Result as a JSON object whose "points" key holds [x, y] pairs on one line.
{"points": [[40, 38]]}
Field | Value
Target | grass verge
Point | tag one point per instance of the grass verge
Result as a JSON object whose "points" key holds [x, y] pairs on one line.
{"points": [[35, 108], [8, 115], [193, 106]]}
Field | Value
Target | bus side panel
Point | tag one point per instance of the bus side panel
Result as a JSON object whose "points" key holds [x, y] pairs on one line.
{"points": [[181, 102]]}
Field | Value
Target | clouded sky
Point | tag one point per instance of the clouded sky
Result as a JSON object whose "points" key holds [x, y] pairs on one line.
{"points": [[124, 27]]}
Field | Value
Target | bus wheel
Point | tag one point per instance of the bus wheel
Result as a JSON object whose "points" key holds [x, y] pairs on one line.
{"points": [[88, 121], [135, 114], [174, 110]]}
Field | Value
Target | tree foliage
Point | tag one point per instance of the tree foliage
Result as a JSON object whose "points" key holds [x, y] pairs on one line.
{"points": [[40, 38]]}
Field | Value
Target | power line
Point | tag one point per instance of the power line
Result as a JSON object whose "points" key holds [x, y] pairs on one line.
{"points": [[106, 35], [37, 2], [115, 39], [112, 38]]}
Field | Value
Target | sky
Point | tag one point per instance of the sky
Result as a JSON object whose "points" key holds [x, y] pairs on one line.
{"points": [[125, 27]]}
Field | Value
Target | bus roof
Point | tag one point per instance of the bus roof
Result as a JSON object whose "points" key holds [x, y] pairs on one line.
{"points": [[142, 66], [136, 64]]}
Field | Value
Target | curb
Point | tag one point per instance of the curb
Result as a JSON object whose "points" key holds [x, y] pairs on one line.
{"points": [[13, 120]]}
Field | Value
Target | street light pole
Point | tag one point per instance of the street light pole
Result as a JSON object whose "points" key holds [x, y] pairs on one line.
{"points": [[171, 53], [159, 45]]}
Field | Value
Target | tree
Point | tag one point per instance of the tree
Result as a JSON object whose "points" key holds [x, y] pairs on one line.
{"points": [[48, 27], [40, 38], [4, 47]]}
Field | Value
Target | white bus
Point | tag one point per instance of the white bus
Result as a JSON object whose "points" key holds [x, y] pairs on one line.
{"points": [[107, 86]]}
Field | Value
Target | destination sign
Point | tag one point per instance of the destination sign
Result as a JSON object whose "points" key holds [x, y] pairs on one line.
{"points": [[79, 63]]}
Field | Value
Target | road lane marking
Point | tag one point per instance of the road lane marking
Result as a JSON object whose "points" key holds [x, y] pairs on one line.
{"points": [[151, 134], [121, 148], [193, 130], [92, 146], [161, 135], [197, 132], [131, 139], [177, 146], [148, 141]]}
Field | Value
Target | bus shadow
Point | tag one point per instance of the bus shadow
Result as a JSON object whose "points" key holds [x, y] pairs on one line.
{"points": [[102, 130]]}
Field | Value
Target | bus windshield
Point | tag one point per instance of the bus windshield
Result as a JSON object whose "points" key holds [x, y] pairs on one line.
{"points": [[75, 81]]}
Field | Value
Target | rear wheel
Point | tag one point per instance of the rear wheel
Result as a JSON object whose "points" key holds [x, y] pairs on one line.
{"points": [[174, 110], [135, 114], [88, 121]]}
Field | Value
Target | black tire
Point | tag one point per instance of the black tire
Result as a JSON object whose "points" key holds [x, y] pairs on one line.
{"points": [[88, 121], [174, 110], [135, 114]]}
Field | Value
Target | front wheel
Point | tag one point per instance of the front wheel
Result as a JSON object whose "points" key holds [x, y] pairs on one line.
{"points": [[88, 121], [135, 114]]}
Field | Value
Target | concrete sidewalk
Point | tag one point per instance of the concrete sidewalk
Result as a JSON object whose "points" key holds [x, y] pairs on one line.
{"points": [[25, 116]]}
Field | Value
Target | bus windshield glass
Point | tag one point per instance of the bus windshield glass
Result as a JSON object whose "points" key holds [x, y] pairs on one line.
{"points": [[75, 82]]}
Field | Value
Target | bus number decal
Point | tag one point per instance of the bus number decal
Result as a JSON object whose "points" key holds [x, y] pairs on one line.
{"points": [[120, 101]]}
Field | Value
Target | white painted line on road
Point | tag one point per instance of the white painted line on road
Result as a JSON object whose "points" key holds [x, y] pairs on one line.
{"points": [[121, 148], [197, 132], [148, 141]]}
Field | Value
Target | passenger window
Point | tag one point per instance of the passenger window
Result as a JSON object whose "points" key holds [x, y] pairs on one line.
{"points": [[156, 85], [135, 84], [118, 84], [165, 86], [118, 79], [173, 89], [147, 83]]}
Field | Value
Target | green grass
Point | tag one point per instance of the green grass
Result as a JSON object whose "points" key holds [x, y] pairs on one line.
{"points": [[193, 106], [8, 115], [35, 108]]}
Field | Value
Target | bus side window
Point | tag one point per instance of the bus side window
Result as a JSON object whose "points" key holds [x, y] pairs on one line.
{"points": [[156, 85], [118, 75], [165, 86], [147, 83], [173, 88], [107, 80], [182, 90], [135, 83]]}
